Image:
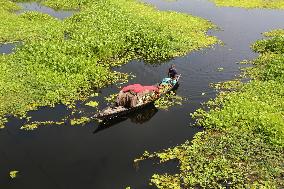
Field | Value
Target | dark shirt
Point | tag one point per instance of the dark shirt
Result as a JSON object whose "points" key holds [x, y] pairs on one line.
{"points": [[172, 72]]}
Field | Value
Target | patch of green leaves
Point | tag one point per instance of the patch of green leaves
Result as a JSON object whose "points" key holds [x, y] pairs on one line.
{"points": [[270, 4], [6, 5], [92, 104], [65, 61], [243, 142], [234, 158], [111, 98], [13, 174], [169, 100], [34, 125], [80, 121]]}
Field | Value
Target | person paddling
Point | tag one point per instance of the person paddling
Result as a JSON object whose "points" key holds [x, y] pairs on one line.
{"points": [[172, 72]]}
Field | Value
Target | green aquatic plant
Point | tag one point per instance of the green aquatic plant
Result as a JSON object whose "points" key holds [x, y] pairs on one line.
{"points": [[13, 174], [274, 33], [28, 26], [232, 85], [271, 4], [243, 142], [65, 61], [234, 159], [168, 101], [166, 181], [34, 125], [30, 127], [111, 98], [220, 69], [92, 104], [6, 5], [66, 4], [80, 121]]}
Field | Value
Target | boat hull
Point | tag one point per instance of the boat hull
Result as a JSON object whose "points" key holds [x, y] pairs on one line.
{"points": [[126, 111]]}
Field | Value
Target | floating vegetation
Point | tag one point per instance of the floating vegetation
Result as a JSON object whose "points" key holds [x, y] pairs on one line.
{"points": [[7, 5], [166, 181], [30, 127], [168, 101], [50, 68], [80, 121], [218, 159], [73, 121], [92, 104], [243, 142], [271, 4], [27, 26], [13, 174], [228, 85], [94, 95], [38, 7], [275, 33], [66, 4], [34, 125], [111, 98], [220, 69]]}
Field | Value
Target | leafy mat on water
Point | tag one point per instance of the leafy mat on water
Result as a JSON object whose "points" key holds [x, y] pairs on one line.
{"points": [[243, 142], [271, 4], [50, 69], [168, 101]]}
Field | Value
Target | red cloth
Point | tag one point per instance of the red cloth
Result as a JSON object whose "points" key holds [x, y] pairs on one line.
{"points": [[151, 88], [137, 88], [131, 87]]}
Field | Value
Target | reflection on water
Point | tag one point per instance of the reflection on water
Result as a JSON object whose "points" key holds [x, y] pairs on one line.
{"points": [[145, 115], [139, 117], [35, 6], [8, 47]]}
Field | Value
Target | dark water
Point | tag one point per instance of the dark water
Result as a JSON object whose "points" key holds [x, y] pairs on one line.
{"points": [[35, 6], [9, 47], [76, 157]]}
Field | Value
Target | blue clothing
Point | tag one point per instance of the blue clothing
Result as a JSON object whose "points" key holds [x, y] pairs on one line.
{"points": [[167, 81]]}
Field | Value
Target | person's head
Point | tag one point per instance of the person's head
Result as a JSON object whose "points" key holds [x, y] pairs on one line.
{"points": [[173, 66]]}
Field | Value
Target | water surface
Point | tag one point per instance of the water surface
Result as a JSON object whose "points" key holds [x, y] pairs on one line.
{"points": [[76, 157], [35, 6], [7, 48]]}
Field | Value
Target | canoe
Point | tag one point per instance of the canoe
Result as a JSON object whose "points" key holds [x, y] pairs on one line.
{"points": [[138, 117], [113, 112]]}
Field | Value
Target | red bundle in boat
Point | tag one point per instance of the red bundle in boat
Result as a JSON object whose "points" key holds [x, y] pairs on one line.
{"points": [[137, 88]]}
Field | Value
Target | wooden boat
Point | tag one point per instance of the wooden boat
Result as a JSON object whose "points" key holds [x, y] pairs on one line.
{"points": [[113, 112], [139, 116]]}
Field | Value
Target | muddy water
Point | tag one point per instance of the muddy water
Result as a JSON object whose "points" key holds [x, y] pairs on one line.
{"points": [[92, 157]]}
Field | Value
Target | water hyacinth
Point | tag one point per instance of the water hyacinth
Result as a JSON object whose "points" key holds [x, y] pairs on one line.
{"points": [[168, 101], [272, 4], [13, 174], [243, 142], [65, 61]]}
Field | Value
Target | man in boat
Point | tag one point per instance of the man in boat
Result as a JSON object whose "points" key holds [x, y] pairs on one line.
{"points": [[172, 72]]}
